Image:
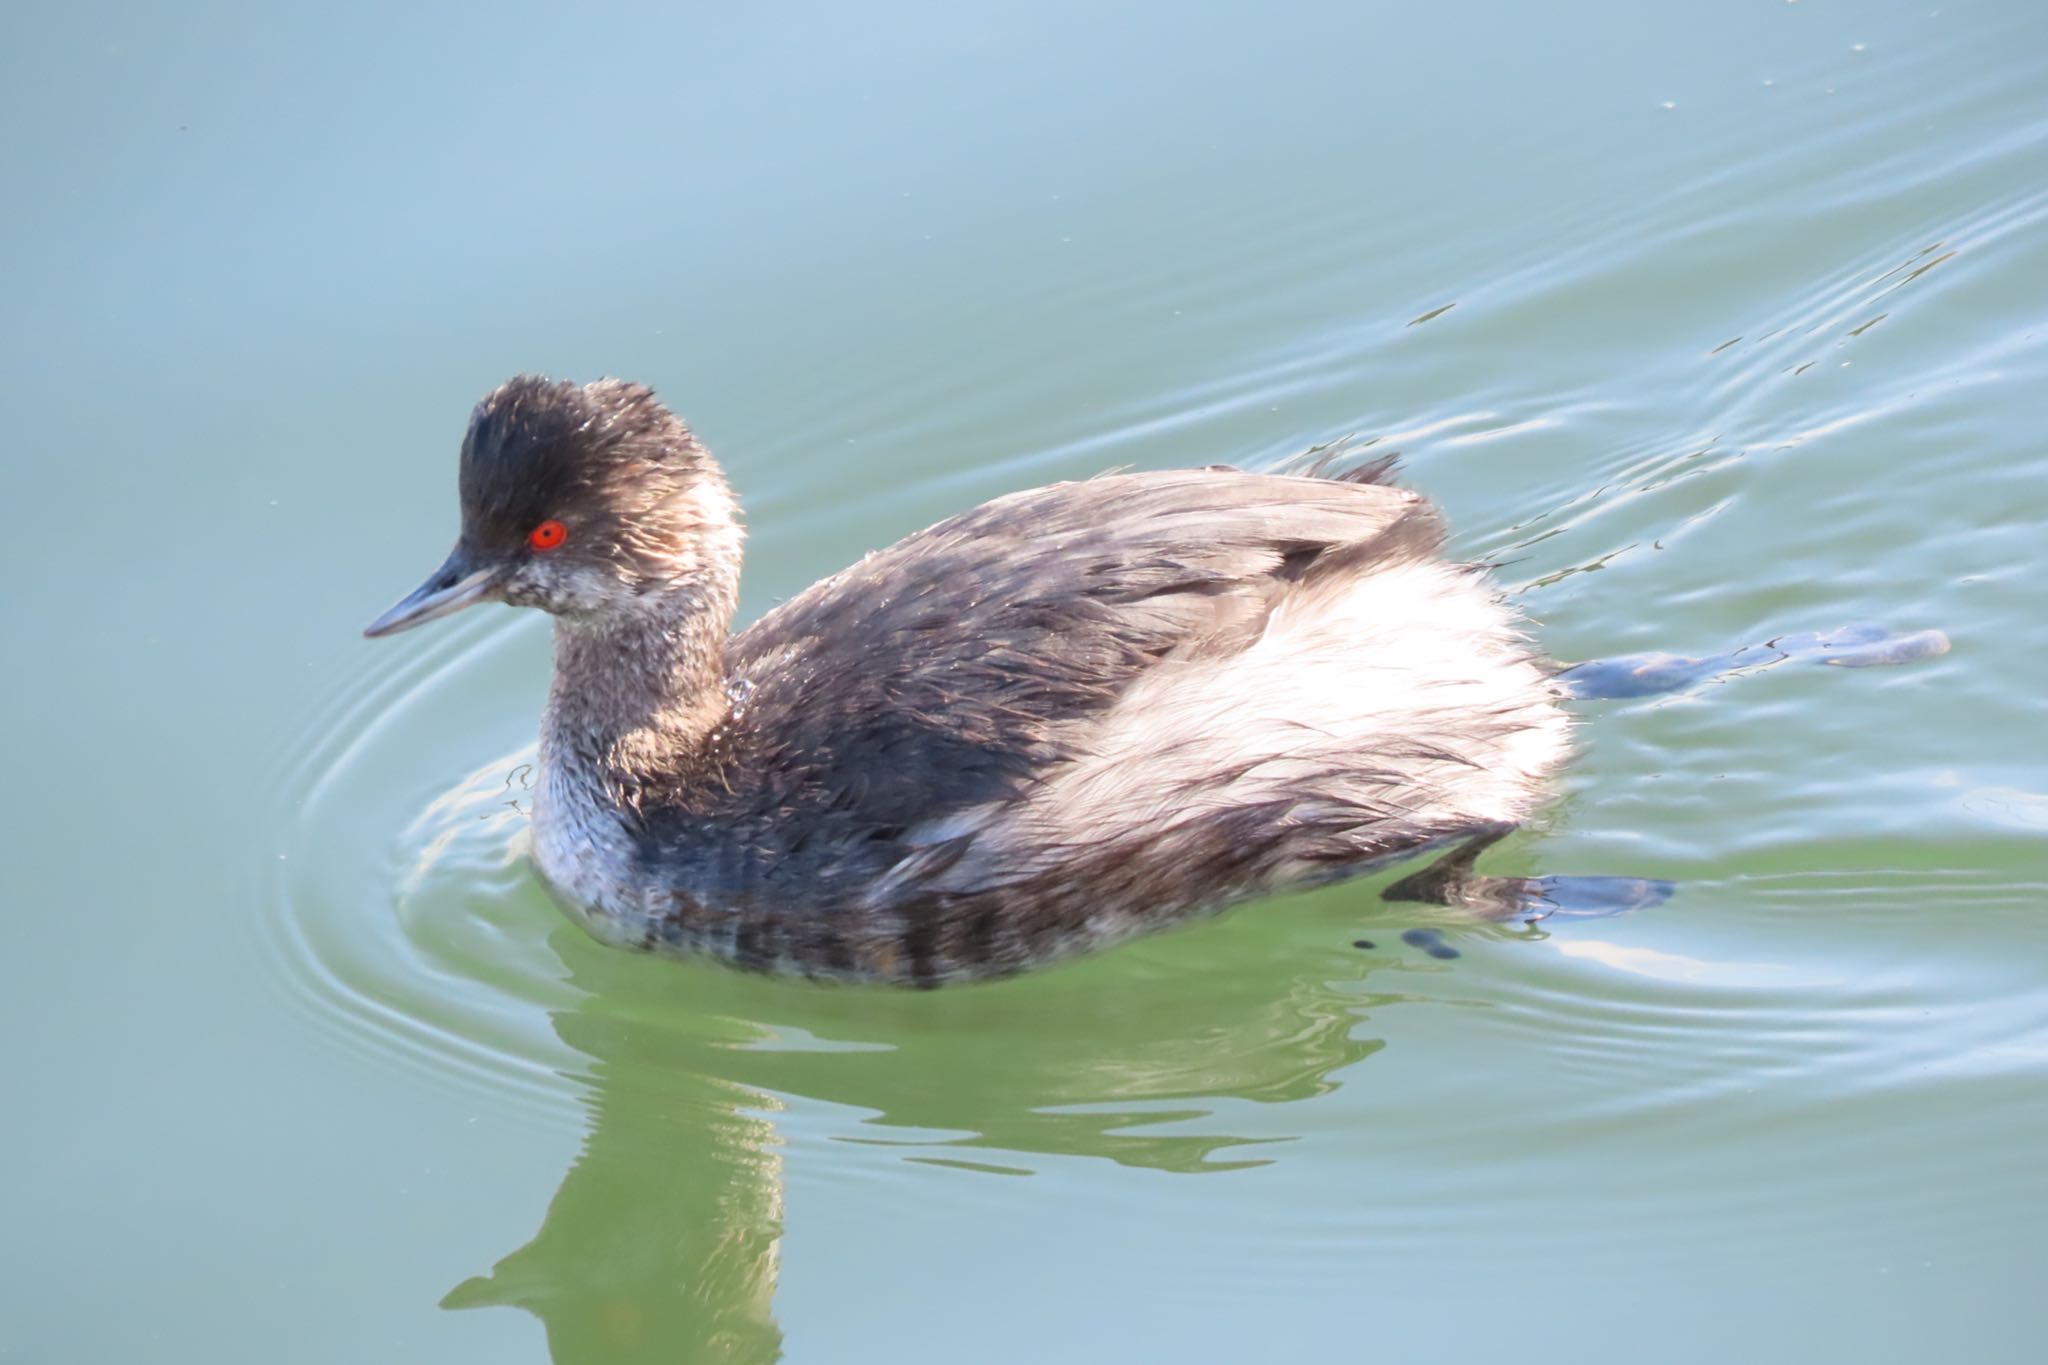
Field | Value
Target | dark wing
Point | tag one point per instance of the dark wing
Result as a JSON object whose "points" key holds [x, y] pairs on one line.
{"points": [[945, 670]]}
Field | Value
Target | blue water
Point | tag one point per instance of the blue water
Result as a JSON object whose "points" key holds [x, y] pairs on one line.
{"points": [[1708, 323]]}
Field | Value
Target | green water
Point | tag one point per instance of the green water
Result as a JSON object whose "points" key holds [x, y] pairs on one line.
{"points": [[1747, 310]]}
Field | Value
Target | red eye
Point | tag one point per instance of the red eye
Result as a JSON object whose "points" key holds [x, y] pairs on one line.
{"points": [[548, 535]]}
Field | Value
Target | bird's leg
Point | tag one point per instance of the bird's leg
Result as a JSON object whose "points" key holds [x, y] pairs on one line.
{"points": [[1451, 880]]}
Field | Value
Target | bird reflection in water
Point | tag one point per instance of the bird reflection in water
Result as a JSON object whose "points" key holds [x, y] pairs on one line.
{"points": [[662, 1242]]}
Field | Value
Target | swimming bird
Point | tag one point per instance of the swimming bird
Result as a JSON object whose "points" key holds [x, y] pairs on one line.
{"points": [[1052, 722]]}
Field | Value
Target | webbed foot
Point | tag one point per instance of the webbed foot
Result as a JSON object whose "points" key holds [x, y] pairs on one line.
{"points": [[1590, 897], [1645, 675]]}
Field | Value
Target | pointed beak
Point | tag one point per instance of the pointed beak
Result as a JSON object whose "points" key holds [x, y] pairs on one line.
{"points": [[457, 583]]}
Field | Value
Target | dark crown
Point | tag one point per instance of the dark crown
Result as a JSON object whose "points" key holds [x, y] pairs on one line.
{"points": [[539, 448]]}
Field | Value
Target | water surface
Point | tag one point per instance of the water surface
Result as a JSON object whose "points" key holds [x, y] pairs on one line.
{"points": [[1708, 323]]}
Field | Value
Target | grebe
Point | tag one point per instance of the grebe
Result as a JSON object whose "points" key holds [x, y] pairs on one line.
{"points": [[1062, 718]]}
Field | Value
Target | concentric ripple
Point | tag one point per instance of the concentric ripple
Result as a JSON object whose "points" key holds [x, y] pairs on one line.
{"points": [[358, 933], [1660, 465]]}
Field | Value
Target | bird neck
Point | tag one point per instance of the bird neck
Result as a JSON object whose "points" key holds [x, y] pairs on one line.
{"points": [[637, 695]]}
